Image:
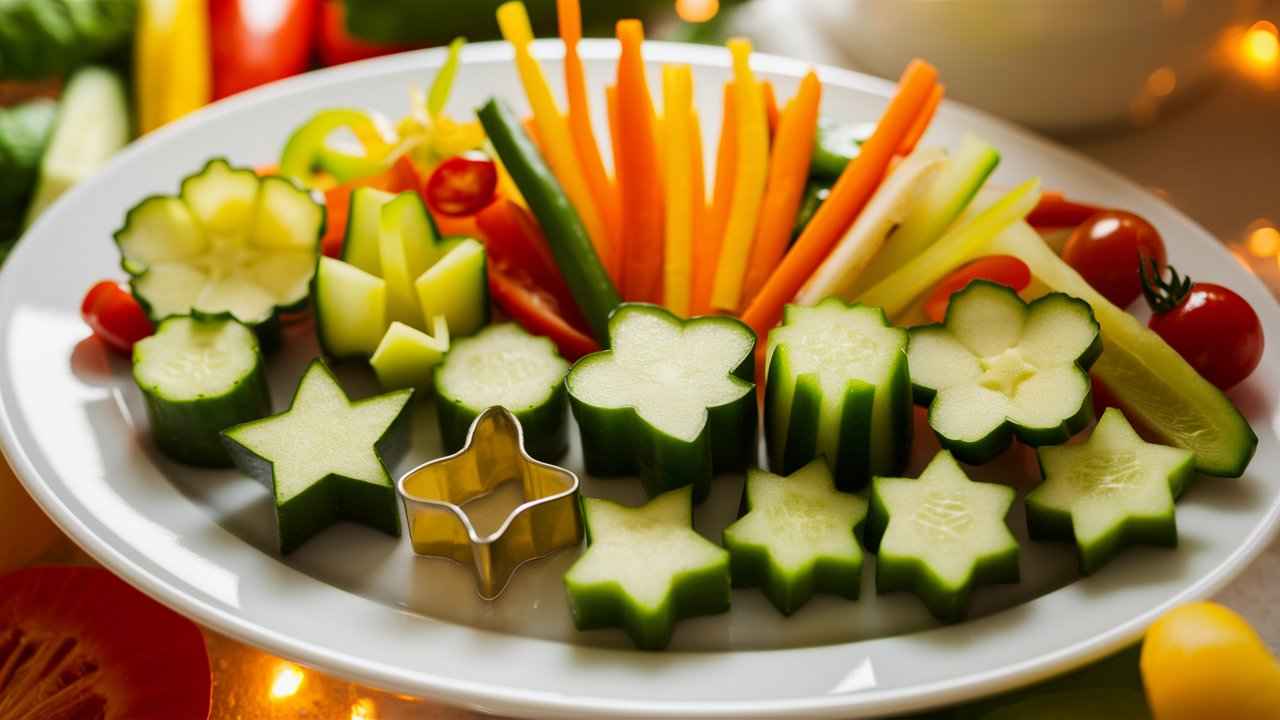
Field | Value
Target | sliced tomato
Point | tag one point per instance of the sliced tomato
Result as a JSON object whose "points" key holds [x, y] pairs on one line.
{"points": [[336, 46], [254, 42], [115, 316], [462, 185], [1001, 269], [78, 643]]}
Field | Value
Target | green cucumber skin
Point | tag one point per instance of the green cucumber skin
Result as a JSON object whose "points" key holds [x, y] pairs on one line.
{"points": [[545, 426], [751, 567], [319, 324], [832, 151], [574, 253]]}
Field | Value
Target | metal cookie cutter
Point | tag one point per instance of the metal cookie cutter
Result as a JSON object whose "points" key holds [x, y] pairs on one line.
{"points": [[433, 494]]}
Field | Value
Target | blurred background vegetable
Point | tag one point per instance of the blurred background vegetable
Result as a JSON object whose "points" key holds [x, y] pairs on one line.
{"points": [[44, 38]]}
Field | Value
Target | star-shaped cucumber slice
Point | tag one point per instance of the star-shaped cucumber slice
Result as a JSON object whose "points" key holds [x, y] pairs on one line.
{"points": [[797, 537], [671, 400], [323, 457], [645, 568], [999, 367], [1109, 492], [940, 535]]}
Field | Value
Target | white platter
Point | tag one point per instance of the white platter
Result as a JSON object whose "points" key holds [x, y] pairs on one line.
{"points": [[358, 604]]}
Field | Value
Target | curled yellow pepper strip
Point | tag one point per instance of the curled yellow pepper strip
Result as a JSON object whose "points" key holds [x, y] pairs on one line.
{"points": [[172, 66], [678, 171], [749, 183]]}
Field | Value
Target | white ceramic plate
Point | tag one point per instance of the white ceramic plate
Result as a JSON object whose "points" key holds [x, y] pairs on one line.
{"points": [[358, 604]]}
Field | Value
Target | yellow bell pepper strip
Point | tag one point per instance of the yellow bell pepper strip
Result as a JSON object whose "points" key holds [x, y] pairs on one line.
{"points": [[677, 106], [584, 136], [749, 181], [431, 136], [556, 140], [639, 172], [172, 61], [706, 252], [788, 174], [306, 151]]}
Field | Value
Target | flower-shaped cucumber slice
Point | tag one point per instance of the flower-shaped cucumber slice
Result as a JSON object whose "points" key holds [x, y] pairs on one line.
{"points": [[1109, 492], [645, 568], [797, 537], [997, 367], [670, 400], [940, 535], [230, 242], [838, 388]]}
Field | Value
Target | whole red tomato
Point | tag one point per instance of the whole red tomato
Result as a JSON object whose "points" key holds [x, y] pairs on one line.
{"points": [[1107, 250], [1211, 327], [115, 316]]}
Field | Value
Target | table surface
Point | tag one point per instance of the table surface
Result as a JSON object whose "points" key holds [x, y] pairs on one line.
{"points": [[1215, 158]]}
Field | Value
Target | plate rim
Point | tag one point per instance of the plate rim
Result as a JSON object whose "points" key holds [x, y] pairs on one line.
{"points": [[525, 702]]}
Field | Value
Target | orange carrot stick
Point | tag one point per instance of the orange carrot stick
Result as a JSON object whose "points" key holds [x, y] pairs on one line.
{"points": [[699, 185], [848, 196], [706, 253], [922, 121], [639, 172], [788, 173], [615, 144], [584, 136], [771, 107]]}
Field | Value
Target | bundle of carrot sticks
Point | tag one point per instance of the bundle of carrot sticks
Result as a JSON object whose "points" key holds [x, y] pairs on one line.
{"points": [[657, 234]]}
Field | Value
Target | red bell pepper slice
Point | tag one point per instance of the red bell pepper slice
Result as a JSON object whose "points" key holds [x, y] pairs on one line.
{"points": [[537, 312], [1054, 211], [336, 46], [257, 41]]}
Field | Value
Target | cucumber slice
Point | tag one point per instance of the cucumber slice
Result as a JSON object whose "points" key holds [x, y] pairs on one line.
{"points": [[323, 458], [836, 145], [504, 365], [229, 242], [1153, 385], [361, 245], [407, 358], [838, 388], [997, 367], [351, 309], [797, 537], [646, 568], [92, 125], [938, 207], [1109, 492], [457, 287], [407, 241], [199, 376], [940, 535], [671, 400]]}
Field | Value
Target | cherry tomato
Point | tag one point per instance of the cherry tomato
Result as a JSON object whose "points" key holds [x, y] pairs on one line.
{"points": [[1105, 250], [1211, 327], [1001, 269], [463, 185], [115, 316]]}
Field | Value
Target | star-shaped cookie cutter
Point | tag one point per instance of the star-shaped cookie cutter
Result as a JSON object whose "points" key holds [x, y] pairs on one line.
{"points": [[433, 494]]}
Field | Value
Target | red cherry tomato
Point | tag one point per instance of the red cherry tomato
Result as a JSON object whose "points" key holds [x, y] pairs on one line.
{"points": [[115, 316], [463, 185], [1000, 269], [1211, 327], [1105, 250]]}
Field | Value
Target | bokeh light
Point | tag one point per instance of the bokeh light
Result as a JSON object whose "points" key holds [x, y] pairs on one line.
{"points": [[1162, 81], [286, 681], [1264, 242], [697, 11], [1261, 45], [364, 709]]}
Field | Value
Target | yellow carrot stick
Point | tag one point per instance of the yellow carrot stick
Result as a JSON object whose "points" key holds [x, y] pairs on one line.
{"points": [[698, 188], [553, 129], [639, 172], [171, 61], [677, 124], [749, 181], [706, 252], [584, 137]]}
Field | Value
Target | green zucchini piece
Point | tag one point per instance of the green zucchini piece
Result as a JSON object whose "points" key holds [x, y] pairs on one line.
{"points": [[1109, 492], [997, 367], [229, 242], [323, 458], [199, 376], [409, 245], [457, 287], [672, 400], [407, 358], [940, 535], [645, 569], [351, 309], [1151, 382], [797, 537], [361, 245], [590, 285], [837, 387], [837, 144], [504, 365]]}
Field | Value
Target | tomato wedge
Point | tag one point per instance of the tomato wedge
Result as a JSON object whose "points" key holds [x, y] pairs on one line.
{"points": [[462, 185], [1001, 269], [79, 643], [115, 316]]}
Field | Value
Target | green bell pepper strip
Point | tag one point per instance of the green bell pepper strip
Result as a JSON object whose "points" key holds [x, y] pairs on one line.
{"points": [[306, 151]]}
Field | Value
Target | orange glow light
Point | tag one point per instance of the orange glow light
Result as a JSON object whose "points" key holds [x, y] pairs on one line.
{"points": [[1261, 45], [697, 11], [1162, 81], [1264, 242], [288, 678], [364, 709]]}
